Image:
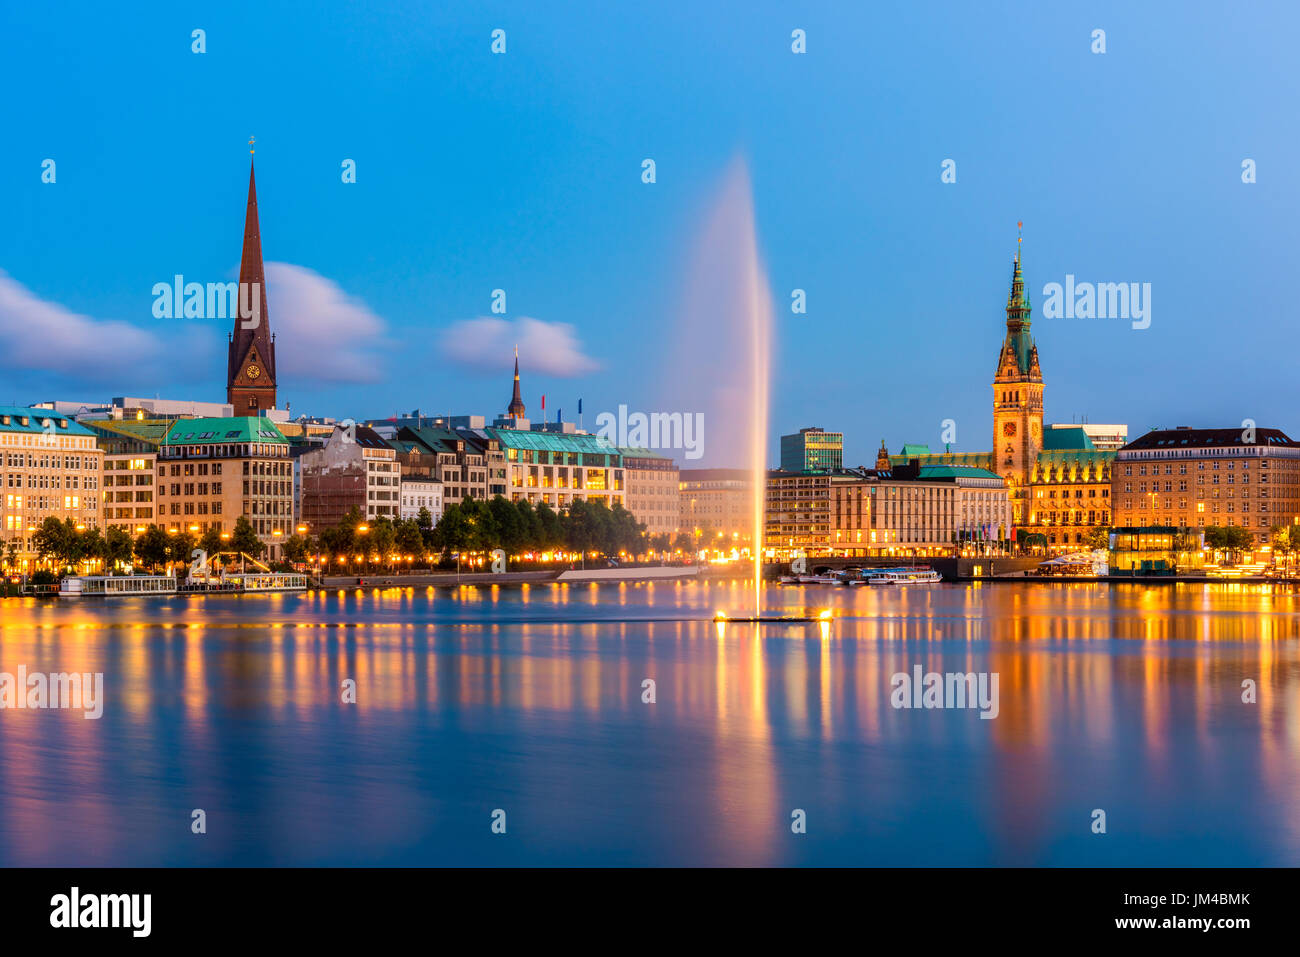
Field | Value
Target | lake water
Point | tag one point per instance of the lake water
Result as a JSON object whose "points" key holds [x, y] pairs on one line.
{"points": [[528, 699]]}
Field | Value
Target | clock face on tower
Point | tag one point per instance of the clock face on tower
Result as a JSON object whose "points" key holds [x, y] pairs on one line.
{"points": [[1008, 428], [253, 372]]}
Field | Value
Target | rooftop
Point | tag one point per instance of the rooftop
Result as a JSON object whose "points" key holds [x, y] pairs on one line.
{"points": [[243, 428], [12, 420], [1186, 438]]}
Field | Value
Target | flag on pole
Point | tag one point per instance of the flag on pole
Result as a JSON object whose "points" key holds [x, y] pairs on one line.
{"points": [[543, 404]]}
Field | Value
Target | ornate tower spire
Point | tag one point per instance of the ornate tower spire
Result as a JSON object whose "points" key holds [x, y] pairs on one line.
{"points": [[516, 407], [1017, 398], [250, 364]]}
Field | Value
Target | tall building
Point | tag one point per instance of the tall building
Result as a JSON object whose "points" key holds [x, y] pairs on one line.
{"points": [[130, 448], [651, 481], [354, 469], [211, 471], [717, 501], [558, 468], [250, 363], [50, 466], [1204, 477], [1058, 477], [908, 509], [812, 450], [467, 463]]}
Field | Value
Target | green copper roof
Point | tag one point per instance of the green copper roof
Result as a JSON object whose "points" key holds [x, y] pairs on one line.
{"points": [[151, 431], [551, 441], [36, 419], [911, 449], [979, 460], [956, 471], [1075, 457], [1018, 338], [1073, 439], [641, 453], [242, 428]]}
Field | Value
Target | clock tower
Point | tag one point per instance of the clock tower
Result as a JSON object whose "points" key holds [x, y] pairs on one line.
{"points": [[250, 364], [1017, 400]]}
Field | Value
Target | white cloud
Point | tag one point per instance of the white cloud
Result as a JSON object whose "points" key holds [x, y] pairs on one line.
{"points": [[322, 333], [489, 344], [48, 337]]}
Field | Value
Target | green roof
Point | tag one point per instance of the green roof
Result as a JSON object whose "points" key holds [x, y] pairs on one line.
{"points": [[552, 441], [956, 471], [910, 449], [978, 460], [1072, 439], [1076, 457], [240, 428], [150, 431], [36, 419], [641, 453]]}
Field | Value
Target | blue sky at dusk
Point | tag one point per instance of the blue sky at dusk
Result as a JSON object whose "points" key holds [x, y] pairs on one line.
{"points": [[523, 172]]}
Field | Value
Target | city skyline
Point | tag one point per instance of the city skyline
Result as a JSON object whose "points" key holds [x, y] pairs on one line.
{"points": [[402, 263]]}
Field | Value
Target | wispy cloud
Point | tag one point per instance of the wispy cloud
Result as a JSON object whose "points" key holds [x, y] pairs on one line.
{"points": [[48, 337], [487, 344], [322, 333]]}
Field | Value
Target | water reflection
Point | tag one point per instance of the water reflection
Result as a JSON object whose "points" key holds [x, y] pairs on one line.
{"points": [[530, 699]]}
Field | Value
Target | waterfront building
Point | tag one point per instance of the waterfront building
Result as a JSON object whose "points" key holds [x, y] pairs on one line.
{"points": [[130, 448], [354, 469], [250, 360], [1137, 551], [717, 501], [558, 468], [50, 465], [1058, 477], [812, 450], [1198, 478], [420, 493], [652, 481], [467, 463], [908, 509], [213, 470]]}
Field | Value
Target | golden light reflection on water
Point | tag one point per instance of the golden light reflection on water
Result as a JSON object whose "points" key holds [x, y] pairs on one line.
{"points": [[1088, 671]]}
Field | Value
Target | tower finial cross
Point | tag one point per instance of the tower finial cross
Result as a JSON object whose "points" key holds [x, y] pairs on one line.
{"points": [[250, 146]]}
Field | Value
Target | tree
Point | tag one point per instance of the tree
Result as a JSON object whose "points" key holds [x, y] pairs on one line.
{"points": [[151, 547], [410, 540], [245, 540], [508, 526], [296, 548], [424, 519], [118, 546], [551, 528], [1098, 537], [52, 540], [180, 547], [1285, 539]]}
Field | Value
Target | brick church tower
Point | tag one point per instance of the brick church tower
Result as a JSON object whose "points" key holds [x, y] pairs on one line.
{"points": [[250, 365], [1017, 399]]}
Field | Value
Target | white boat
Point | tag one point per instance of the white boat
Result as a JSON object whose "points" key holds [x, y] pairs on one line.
{"points": [[901, 576], [264, 582], [116, 586]]}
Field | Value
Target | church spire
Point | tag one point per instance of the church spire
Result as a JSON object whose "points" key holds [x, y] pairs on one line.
{"points": [[1018, 340], [516, 407], [250, 364]]}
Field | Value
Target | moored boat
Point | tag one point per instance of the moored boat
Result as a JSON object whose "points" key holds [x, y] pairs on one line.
{"points": [[116, 586]]}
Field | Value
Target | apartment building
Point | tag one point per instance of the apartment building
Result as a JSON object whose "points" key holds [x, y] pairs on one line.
{"points": [[1197, 478], [652, 481], [213, 470], [354, 469], [50, 466]]}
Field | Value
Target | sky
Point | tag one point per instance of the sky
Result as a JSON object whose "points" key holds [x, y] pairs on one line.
{"points": [[523, 171]]}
